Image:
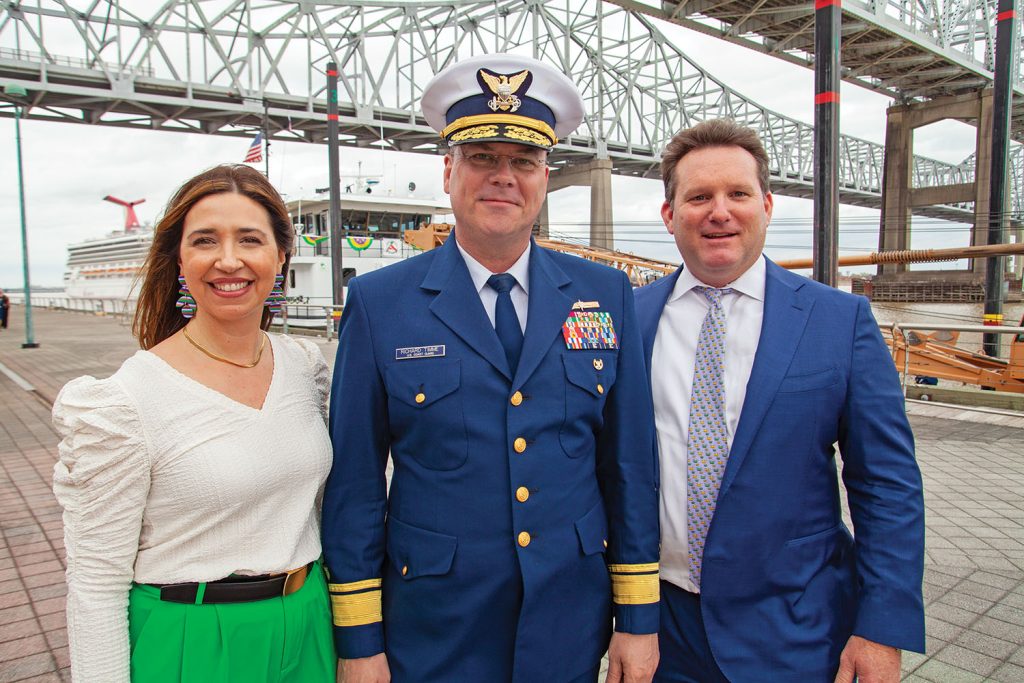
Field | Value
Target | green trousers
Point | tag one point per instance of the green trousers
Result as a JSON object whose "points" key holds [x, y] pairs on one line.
{"points": [[278, 640]]}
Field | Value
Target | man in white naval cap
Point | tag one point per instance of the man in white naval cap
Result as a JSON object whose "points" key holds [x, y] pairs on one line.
{"points": [[507, 383]]}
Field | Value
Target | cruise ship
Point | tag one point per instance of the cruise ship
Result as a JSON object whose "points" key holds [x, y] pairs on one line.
{"points": [[105, 270]]}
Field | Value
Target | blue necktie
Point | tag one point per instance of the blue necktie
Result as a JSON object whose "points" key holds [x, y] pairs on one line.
{"points": [[506, 322], [707, 448]]}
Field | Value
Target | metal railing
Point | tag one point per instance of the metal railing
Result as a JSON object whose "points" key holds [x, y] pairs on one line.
{"points": [[900, 330], [122, 309], [320, 318]]}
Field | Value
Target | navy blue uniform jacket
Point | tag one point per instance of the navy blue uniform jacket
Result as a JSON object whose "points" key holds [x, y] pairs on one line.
{"points": [[516, 504], [784, 584]]}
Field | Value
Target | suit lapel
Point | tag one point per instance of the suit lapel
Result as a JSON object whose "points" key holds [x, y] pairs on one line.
{"points": [[458, 305], [548, 308], [651, 302], [785, 316]]}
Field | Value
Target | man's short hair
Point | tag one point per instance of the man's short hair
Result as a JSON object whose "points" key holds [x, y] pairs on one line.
{"points": [[713, 133]]}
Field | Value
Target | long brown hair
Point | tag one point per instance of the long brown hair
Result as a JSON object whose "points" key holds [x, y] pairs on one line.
{"points": [[156, 317]]}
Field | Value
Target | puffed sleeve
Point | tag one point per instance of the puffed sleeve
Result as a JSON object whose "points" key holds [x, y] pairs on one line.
{"points": [[321, 376], [102, 481]]}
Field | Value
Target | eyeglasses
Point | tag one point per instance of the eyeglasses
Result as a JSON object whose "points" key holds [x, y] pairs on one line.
{"points": [[486, 161]]}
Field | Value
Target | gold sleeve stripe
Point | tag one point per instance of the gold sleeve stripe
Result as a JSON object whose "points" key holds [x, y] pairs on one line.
{"points": [[633, 568], [354, 586], [356, 609], [630, 589]]}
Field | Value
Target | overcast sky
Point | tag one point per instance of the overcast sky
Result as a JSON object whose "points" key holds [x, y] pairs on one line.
{"points": [[69, 169]]}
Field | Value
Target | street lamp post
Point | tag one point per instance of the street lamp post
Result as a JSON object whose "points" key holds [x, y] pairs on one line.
{"points": [[16, 91]]}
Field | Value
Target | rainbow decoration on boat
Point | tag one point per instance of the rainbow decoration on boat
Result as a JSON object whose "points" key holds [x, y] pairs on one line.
{"points": [[313, 240], [359, 243]]}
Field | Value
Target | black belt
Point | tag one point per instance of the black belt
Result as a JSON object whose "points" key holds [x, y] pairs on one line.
{"points": [[235, 588]]}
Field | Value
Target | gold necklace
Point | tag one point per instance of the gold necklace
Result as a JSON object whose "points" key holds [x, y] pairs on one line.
{"points": [[222, 359]]}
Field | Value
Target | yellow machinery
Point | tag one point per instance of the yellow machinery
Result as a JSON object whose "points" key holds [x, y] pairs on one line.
{"points": [[935, 355]]}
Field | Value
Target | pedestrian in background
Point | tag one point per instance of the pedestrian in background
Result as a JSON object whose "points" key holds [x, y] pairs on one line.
{"points": [[5, 309]]}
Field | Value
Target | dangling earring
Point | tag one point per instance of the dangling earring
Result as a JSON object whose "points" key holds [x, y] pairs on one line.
{"points": [[186, 303], [276, 296]]}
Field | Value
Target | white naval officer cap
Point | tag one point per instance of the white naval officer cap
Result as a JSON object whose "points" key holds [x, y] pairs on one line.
{"points": [[502, 98]]}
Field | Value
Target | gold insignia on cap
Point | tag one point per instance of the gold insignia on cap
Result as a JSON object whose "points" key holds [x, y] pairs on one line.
{"points": [[526, 135], [475, 133], [504, 89]]}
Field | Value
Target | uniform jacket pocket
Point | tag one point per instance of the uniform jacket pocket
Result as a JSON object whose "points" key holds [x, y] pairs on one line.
{"points": [[592, 530], [424, 401], [589, 376], [416, 552]]}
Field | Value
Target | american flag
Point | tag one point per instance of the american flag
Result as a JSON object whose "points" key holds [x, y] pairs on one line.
{"points": [[255, 152]]}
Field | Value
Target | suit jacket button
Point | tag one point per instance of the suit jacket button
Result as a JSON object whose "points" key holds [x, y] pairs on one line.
{"points": [[516, 399], [420, 397], [524, 539], [405, 570], [519, 445], [605, 541], [600, 389], [522, 493]]}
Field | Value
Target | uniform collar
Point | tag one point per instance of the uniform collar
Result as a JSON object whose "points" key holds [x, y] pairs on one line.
{"points": [[520, 270]]}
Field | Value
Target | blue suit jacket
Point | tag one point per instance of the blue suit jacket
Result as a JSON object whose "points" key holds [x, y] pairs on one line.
{"points": [[463, 598], [783, 584]]}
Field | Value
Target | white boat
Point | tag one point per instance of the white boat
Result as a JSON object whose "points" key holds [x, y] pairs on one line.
{"points": [[105, 268], [101, 271], [373, 226]]}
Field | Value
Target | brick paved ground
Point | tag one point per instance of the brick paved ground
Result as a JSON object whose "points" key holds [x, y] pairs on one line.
{"points": [[973, 469]]}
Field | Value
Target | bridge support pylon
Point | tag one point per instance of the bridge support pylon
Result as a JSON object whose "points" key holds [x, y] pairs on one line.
{"points": [[900, 197], [597, 175]]}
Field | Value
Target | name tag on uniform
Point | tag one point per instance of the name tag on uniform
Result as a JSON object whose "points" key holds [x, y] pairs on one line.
{"points": [[409, 352], [589, 330]]}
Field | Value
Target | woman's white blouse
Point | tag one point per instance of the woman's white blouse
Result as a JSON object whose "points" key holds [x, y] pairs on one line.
{"points": [[164, 480]]}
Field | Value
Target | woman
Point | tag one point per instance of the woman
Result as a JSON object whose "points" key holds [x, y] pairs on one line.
{"points": [[191, 478]]}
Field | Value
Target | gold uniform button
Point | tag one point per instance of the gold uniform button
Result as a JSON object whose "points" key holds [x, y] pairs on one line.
{"points": [[522, 493], [524, 539], [516, 399], [405, 570], [519, 445], [420, 397], [598, 364], [600, 389], [605, 543]]}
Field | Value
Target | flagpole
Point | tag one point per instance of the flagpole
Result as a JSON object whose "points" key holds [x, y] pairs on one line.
{"points": [[266, 140]]}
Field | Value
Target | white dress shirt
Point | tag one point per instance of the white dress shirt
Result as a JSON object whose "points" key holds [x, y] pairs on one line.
{"points": [[675, 349], [520, 294]]}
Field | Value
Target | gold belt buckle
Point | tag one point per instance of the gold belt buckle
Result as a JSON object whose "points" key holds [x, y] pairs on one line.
{"points": [[294, 580]]}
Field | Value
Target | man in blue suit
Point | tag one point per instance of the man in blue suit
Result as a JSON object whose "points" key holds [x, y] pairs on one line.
{"points": [[756, 374], [508, 385]]}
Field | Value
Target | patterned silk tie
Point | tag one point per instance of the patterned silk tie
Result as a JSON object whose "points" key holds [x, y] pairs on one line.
{"points": [[707, 447], [506, 322]]}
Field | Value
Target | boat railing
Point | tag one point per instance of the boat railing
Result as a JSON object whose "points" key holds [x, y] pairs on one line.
{"points": [[388, 245], [316, 319]]}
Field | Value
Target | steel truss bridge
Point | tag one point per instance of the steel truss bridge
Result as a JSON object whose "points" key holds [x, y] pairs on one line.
{"points": [[227, 67]]}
